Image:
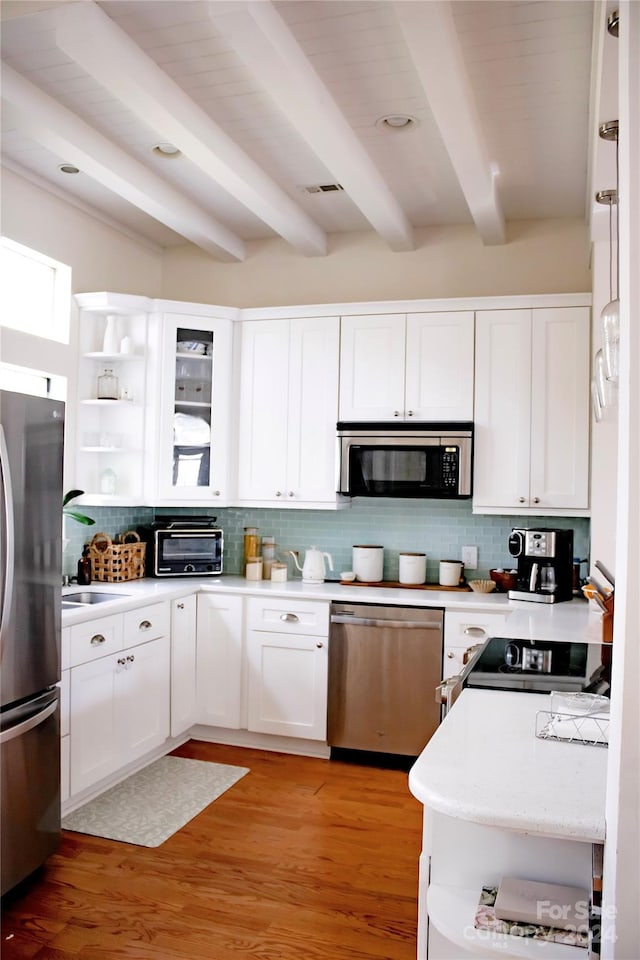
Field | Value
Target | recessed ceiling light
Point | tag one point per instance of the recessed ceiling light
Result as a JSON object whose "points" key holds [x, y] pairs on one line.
{"points": [[167, 150], [68, 168], [396, 121]]}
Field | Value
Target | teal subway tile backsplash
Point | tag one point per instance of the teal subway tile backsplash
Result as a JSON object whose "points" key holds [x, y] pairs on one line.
{"points": [[436, 527]]}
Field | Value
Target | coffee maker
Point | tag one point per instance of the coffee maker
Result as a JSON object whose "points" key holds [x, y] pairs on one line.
{"points": [[545, 564]]}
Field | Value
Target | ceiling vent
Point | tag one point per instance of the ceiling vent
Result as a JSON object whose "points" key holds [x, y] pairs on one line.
{"points": [[323, 188]]}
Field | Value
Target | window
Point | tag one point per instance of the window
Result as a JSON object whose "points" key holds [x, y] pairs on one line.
{"points": [[35, 292], [32, 382]]}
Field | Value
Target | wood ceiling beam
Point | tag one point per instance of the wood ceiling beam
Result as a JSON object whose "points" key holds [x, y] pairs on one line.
{"points": [[87, 35], [70, 138], [430, 33], [273, 56]]}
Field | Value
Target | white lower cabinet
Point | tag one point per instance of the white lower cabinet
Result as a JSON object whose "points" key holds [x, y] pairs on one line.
{"points": [[462, 632], [287, 658], [119, 699], [183, 664], [219, 660], [65, 713]]}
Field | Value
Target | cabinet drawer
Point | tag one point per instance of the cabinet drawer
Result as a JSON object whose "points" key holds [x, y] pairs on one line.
{"points": [[467, 629], [288, 616], [95, 639], [146, 623]]}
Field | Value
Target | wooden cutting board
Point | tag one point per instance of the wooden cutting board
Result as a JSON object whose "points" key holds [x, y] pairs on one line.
{"points": [[464, 588]]}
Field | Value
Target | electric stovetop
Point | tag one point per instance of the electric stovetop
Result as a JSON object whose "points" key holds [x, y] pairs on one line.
{"points": [[541, 666]]}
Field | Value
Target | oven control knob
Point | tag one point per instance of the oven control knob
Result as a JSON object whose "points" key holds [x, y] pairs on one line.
{"points": [[189, 568]]}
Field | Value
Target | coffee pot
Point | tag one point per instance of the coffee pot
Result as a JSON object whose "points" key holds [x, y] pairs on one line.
{"points": [[313, 569]]}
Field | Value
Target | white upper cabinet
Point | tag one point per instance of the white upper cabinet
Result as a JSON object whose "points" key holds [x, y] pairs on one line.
{"points": [[288, 412], [407, 366], [194, 410], [532, 411]]}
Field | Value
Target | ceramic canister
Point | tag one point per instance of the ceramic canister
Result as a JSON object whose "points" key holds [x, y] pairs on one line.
{"points": [[450, 573], [368, 562], [412, 567]]}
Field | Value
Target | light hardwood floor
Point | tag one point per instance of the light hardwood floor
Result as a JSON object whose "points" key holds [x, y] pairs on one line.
{"points": [[302, 859]]}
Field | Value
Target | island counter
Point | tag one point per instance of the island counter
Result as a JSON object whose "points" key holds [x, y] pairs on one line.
{"points": [[500, 802]]}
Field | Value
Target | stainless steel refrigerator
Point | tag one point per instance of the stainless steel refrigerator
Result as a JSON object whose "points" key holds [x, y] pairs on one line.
{"points": [[31, 443]]}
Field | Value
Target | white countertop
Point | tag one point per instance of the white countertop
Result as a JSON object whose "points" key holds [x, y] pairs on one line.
{"points": [[485, 764], [574, 620]]}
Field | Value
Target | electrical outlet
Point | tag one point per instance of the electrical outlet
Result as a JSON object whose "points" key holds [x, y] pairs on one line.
{"points": [[470, 557]]}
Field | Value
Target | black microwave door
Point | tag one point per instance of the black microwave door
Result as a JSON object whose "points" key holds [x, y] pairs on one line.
{"points": [[397, 471]]}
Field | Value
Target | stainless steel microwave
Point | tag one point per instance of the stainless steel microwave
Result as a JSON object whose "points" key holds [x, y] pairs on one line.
{"points": [[417, 460], [183, 546]]}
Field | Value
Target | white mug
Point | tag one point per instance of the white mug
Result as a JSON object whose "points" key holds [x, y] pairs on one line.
{"points": [[450, 573], [413, 568]]}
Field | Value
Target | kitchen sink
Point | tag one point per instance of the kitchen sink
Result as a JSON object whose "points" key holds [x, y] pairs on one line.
{"points": [[87, 596]]}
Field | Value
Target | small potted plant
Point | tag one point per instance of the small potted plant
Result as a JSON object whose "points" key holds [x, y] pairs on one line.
{"points": [[73, 513]]}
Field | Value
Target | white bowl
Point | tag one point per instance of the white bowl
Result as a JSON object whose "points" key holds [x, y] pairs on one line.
{"points": [[348, 576]]}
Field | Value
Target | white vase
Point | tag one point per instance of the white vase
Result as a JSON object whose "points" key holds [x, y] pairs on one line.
{"points": [[111, 342]]}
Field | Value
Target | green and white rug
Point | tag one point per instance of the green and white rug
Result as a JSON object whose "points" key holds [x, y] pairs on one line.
{"points": [[151, 805]]}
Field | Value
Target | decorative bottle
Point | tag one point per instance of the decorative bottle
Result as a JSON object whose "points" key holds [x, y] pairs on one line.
{"points": [[107, 386], [84, 569]]}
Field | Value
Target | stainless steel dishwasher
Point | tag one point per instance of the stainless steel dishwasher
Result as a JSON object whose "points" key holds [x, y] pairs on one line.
{"points": [[384, 666]]}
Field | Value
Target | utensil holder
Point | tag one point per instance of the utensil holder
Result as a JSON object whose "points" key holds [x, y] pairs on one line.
{"points": [[607, 621]]}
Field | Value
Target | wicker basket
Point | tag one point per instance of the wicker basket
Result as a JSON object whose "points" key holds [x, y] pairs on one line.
{"points": [[119, 560]]}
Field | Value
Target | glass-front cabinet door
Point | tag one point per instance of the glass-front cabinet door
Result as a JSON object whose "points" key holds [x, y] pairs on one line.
{"points": [[195, 399]]}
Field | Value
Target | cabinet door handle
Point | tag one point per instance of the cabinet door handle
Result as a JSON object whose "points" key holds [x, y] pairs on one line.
{"points": [[97, 639], [409, 413], [475, 631], [536, 499], [145, 625], [278, 493], [180, 606], [451, 655], [216, 493], [396, 413], [319, 645], [130, 658], [289, 617], [522, 499], [121, 661], [291, 493]]}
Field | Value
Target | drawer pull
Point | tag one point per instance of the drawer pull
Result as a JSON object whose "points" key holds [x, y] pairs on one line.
{"points": [[130, 658], [181, 606], [475, 631], [145, 625], [451, 655], [121, 661], [289, 617], [319, 645], [97, 639]]}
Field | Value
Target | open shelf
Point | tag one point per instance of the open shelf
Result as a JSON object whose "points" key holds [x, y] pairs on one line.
{"points": [[452, 911]]}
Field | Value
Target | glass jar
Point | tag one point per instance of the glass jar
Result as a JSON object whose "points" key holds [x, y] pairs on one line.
{"points": [[251, 544], [107, 386], [253, 568], [108, 482], [279, 572], [268, 556]]}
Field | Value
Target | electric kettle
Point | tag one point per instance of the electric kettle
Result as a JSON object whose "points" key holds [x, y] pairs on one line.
{"points": [[313, 569]]}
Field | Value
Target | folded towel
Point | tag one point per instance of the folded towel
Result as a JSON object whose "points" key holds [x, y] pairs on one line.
{"points": [[190, 431]]}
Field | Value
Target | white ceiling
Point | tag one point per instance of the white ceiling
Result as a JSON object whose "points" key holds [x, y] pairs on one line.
{"points": [[267, 98]]}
